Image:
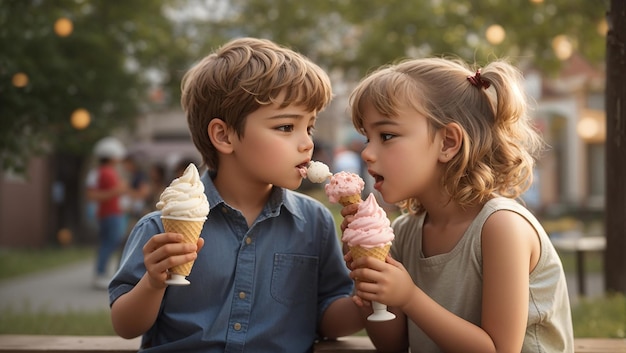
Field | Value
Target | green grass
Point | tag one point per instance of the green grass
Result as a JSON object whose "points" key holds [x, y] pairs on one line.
{"points": [[19, 262], [603, 317], [44, 323]]}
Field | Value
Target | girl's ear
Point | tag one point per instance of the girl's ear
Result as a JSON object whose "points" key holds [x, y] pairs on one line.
{"points": [[452, 139], [220, 136]]}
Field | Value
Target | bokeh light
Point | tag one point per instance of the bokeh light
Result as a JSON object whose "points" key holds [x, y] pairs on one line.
{"points": [[63, 27], [80, 119], [587, 127], [603, 27], [65, 236], [563, 47], [20, 80], [495, 34]]}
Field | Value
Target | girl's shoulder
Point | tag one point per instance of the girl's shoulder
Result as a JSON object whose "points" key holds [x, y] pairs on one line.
{"points": [[407, 226]]}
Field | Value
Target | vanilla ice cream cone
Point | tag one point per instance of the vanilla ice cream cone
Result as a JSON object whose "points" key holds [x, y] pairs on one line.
{"points": [[190, 228]]}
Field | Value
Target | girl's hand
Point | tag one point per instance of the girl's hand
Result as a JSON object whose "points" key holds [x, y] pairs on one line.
{"points": [[348, 215], [164, 251], [384, 282]]}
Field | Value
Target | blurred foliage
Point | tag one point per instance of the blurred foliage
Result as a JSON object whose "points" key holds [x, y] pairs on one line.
{"points": [[119, 49], [100, 66], [359, 35]]}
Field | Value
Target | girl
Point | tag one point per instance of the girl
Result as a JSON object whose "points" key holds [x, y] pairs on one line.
{"points": [[471, 269]]}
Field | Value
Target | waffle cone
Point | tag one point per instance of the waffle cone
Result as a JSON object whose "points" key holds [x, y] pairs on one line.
{"points": [[378, 252], [190, 229], [350, 199]]}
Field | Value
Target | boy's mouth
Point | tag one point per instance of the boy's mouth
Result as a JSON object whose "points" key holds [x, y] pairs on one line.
{"points": [[302, 169]]}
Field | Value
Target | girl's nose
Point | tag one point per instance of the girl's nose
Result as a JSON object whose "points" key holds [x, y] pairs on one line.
{"points": [[367, 154]]}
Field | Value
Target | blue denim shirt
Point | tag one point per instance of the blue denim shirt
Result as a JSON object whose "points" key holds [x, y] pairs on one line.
{"points": [[258, 289]]}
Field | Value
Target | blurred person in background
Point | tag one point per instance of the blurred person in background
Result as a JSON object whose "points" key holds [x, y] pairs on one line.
{"points": [[106, 188], [134, 201], [158, 182]]}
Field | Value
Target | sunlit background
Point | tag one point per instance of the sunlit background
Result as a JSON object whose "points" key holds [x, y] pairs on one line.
{"points": [[73, 72]]}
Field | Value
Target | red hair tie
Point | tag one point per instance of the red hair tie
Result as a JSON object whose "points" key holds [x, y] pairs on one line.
{"points": [[477, 81]]}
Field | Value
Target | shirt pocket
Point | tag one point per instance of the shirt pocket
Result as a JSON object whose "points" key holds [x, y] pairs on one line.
{"points": [[294, 278]]}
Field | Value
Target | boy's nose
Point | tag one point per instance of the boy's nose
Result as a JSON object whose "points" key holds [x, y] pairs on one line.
{"points": [[307, 143]]}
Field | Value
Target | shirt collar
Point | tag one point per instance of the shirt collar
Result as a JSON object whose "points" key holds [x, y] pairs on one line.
{"points": [[279, 197]]}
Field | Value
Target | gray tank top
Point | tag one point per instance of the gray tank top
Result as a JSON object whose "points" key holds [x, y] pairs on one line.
{"points": [[454, 280]]}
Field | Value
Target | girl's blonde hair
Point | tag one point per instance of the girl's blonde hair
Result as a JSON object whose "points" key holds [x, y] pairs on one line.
{"points": [[239, 78], [499, 143]]}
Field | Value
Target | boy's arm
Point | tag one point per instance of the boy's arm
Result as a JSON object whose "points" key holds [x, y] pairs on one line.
{"points": [[341, 318], [133, 313]]}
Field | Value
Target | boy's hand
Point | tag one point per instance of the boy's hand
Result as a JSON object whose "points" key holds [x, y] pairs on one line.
{"points": [[164, 251]]}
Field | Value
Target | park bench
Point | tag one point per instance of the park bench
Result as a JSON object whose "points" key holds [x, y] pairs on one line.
{"points": [[580, 246], [112, 344]]}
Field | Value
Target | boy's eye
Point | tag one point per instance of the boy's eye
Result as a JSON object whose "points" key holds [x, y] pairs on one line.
{"points": [[285, 128], [310, 130]]}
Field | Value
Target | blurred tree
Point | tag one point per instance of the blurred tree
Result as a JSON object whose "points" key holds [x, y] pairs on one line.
{"points": [[357, 36], [104, 63], [64, 55]]}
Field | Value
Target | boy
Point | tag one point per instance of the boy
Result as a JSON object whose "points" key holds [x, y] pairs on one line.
{"points": [[269, 275]]}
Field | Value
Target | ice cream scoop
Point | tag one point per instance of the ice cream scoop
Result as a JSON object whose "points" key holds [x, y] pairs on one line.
{"points": [[345, 188], [184, 197], [370, 227], [317, 172]]}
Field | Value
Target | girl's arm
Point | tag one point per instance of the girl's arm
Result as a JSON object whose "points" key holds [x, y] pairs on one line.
{"points": [[510, 248], [133, 313], [389, 336]]}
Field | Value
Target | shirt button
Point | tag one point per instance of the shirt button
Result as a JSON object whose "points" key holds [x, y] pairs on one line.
{"points": [[224, 210], [242, 295], [248, 240], [237, 326]]}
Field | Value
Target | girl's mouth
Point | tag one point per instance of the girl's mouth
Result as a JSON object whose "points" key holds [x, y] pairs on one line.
{"points": [[378, 180]]}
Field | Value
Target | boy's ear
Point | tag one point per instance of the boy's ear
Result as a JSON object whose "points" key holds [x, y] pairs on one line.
{"points": [[219, 134], [452, 139]]}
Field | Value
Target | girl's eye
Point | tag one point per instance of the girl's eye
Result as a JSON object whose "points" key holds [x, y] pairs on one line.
{"points": [[285, 128], [386, 137]]}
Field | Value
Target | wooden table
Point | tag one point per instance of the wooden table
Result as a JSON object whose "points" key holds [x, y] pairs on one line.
{"points": [[580, 245], [114, 344]]}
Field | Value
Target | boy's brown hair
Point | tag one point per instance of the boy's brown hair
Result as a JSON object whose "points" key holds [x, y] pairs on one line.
{"points": [[239, 78]]}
